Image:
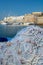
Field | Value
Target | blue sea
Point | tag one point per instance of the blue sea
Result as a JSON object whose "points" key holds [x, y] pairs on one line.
{"points": [[9, 31]]}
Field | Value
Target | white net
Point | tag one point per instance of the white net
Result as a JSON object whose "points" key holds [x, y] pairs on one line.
{"points": [[26, 48]]}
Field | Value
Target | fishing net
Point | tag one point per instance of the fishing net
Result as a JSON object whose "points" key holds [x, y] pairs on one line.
{"points": [[26, 48]]}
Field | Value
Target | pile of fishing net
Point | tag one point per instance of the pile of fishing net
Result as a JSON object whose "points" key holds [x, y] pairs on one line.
{"points": [[26, 48]]}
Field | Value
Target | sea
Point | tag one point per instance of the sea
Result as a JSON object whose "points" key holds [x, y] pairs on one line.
{"points": [[9, 31]]}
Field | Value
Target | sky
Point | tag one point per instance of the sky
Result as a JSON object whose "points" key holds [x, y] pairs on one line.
{"points": [[19, 7]]}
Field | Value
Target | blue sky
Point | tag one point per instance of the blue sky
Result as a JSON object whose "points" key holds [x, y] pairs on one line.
{"points": [[19, 7]]}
